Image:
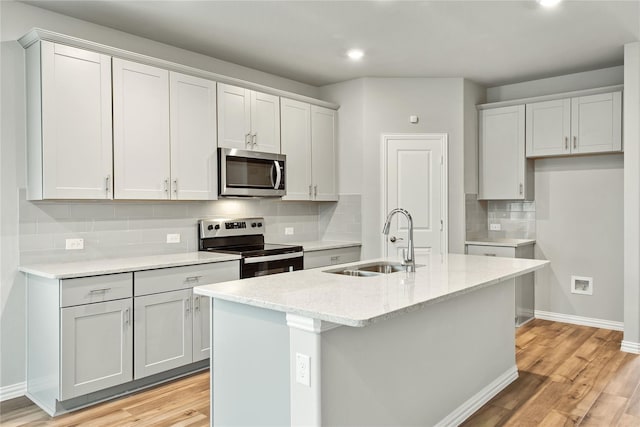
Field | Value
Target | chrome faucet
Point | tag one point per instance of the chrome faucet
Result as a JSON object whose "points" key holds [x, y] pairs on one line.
{"points": [[409, 260]]}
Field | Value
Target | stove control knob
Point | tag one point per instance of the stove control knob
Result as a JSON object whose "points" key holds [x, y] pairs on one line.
{"points": [[210, 227], [217, 227], [253, 224], [259, 224]]}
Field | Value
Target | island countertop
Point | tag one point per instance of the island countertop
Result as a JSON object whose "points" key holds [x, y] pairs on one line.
{"points": [[360, 301]]}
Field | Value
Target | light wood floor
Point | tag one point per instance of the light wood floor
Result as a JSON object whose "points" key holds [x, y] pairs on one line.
{"points": [[569, 375]]}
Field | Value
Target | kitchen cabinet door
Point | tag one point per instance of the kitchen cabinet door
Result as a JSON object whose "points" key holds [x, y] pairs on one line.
{"points": [[548, 126], [296, 145], [234, 117], [504, 172], [201, 328], [596, 123], [96, 347], [193, 138], [323, 153], [163, 332], [141, 131], [265, 122], [70, 155]]}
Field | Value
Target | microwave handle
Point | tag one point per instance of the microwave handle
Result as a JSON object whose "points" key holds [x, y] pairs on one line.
{"points": [[276, 166]]}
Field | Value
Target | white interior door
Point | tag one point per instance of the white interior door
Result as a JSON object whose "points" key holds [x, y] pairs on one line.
{"points": [[416, 181]]}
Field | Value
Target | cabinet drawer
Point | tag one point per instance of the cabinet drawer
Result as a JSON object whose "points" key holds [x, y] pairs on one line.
{"points": [[499, 251], [87, 290], [175, 278], [331, 257]]}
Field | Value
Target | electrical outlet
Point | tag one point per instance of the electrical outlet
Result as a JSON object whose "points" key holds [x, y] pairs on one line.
{"points": [[74, 244], [288, 231], [302, 369], [173, 238], [495, 227]]}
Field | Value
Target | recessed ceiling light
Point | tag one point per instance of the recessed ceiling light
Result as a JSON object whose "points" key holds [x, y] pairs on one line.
{"points": [[548, 3], [355, 54]]}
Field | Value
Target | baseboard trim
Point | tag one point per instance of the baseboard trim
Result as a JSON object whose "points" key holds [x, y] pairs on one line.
{"points": [[579, 320], [12, 391], [468, 408], [630, 347]]}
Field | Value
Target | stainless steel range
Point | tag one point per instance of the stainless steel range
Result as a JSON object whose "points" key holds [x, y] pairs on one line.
{"points": [[245, 237]]}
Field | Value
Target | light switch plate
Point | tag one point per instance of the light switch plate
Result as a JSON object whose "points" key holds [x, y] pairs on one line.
{"points": [[173, 238], [302, 369], [495, 227], [74, 244], [288, 231]]}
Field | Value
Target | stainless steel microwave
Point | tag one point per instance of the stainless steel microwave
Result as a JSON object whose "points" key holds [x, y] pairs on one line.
{"points": [[250, 173]]}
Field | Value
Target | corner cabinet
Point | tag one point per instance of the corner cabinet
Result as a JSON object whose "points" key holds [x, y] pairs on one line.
{"points": [[578, 125], [164, 134], [69, 141], [308, 141], [248, 120], [504, 171]]}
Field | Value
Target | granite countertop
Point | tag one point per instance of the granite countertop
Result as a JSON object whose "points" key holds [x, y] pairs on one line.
{"points": [[68, 270], [360, 301], [512, 243], [321, 245]]}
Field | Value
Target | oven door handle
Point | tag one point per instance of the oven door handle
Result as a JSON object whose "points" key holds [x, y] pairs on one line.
{"points": [[276, 166], [266, 258]]}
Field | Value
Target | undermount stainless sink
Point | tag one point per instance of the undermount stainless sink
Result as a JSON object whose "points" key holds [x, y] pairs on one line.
{"points": [[370, 269]]}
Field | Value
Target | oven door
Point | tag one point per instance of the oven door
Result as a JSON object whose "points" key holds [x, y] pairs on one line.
{"points": [[271, 264], [251, 173]]}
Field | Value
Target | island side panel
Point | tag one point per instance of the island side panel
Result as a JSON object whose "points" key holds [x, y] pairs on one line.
{"points": [[249, 366], [418, 368]]}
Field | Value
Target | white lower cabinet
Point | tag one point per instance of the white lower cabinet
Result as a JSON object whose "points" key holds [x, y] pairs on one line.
{"points": [[201, 328], [163, 332], [326, 257], [96, 347]]}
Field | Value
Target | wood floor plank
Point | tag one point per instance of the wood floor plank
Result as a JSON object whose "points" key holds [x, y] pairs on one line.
{"points": [[606, 411]]}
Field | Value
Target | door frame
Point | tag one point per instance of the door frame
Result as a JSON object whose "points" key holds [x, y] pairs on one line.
{"points": [[444, 187]]}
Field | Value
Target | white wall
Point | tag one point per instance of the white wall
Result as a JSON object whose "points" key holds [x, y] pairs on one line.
{"points": [[579, 213], [387, 104], [109, 228]]}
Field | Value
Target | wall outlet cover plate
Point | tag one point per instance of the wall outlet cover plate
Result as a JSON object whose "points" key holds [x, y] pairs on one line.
{"points": [[173, 238]]}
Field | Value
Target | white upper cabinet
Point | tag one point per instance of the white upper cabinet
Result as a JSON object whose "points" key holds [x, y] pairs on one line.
{"points": [[296, 145], [308, 141], [193, 138], [69, 115], [548, 127], [579, 125], [248, 120], [140, 131], [323, 153], [505, 173]]}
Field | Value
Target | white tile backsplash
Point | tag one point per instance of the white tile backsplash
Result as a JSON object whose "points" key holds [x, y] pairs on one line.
{"points": [[120, 229], [517, 219]]}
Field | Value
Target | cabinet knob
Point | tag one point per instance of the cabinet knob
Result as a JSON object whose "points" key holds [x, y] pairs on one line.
{"points": [[107, 182]]}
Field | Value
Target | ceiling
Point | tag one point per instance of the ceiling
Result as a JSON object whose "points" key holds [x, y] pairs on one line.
{"points": [[491, 42]]}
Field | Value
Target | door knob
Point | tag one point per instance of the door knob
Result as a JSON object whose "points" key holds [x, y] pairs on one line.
{"points": [[393, 239]]}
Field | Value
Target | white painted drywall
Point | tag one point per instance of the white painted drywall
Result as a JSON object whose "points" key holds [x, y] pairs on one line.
{"points": [[474, 94], [579, 212], [631, 141], [387, 104]]}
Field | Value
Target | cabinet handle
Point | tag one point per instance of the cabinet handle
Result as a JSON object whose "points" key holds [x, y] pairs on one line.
{"points": [[315, 191], [254, 138], [310, 192], [175, 186], [521, 189], [99, 291], [107, 186], [192, 278], [566, 142], [247, 139], [187, 305], [489, 254], [126, 317], [196, 303], [166, 186], [575, 142]]}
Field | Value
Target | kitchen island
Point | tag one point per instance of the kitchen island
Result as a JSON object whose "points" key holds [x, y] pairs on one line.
{"points": [[315, 348]]}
